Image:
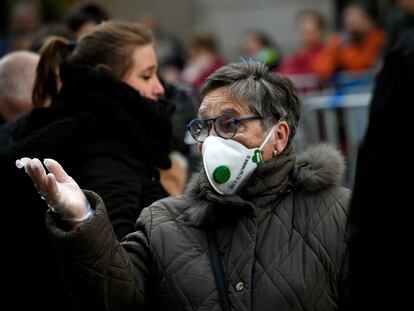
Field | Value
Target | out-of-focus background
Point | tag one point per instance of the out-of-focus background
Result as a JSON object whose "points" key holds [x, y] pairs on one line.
{"points": [[331, 49], [227, 19]]}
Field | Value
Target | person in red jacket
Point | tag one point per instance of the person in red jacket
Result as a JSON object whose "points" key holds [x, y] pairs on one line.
{"points": [[311, 28], [204, 60]]}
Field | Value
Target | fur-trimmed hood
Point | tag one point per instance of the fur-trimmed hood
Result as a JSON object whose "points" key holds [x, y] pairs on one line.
{"points": [[317, 168], [92, 106]]}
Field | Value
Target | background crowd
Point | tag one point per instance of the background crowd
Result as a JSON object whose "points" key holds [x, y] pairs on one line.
{"points": [[327, 64], [326, 60]]}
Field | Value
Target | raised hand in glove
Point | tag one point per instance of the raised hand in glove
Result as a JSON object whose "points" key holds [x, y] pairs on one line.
{"points": [[61, 193]]}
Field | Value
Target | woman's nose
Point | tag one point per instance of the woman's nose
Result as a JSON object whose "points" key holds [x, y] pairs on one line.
{"points": [[213, 131], [158, 89]]}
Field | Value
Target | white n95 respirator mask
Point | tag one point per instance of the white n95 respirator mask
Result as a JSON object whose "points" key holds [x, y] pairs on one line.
{"points": [[228, 164]]}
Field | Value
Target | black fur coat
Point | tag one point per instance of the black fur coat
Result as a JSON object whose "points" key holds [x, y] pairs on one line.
{"points": [[109, 139]]}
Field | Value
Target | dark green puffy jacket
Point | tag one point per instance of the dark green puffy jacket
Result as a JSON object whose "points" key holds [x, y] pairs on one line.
{"points": [[282, 242]]}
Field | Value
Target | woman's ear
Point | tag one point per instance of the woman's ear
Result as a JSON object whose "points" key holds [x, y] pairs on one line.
{"points": [[281, 136]]}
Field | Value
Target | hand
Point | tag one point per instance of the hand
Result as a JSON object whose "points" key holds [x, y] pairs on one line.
{"points": [[58, 189]]}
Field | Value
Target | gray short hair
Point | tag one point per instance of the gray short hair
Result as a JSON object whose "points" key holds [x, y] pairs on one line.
{"points": [[267, 94]]}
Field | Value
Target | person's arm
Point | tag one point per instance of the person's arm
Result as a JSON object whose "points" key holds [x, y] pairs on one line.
{"points": [[100, 272]]}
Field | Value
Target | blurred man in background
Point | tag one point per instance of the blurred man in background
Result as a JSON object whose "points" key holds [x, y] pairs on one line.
{"points": [[24, 20], [356, 47], [84, 17], [17, 75]]}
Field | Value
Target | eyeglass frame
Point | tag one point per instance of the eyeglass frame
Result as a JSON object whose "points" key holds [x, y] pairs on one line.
{"points": [[208, 120]]}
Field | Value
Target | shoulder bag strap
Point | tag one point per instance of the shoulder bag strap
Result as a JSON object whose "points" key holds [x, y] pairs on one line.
{"points": [[218, 270]]}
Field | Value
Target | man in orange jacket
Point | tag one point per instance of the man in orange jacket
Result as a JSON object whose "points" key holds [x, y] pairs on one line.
{"points": [[355, 48]]}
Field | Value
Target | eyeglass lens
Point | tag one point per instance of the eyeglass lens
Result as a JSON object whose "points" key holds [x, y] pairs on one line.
{"points": [[225, 126], [199, 130]]}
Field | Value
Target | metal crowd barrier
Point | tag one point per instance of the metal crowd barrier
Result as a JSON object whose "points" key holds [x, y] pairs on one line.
{"points": [[338, 119]]}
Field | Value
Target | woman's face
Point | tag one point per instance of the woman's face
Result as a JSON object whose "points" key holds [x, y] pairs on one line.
{"points": [[249, 133], [143, 74]]}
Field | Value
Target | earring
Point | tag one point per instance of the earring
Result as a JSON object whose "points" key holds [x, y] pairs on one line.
{"points": [[274, 153]]}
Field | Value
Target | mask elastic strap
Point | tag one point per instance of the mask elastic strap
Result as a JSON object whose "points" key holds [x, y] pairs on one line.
{"points": [[272, 131]]}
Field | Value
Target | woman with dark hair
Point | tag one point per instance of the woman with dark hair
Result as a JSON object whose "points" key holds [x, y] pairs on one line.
{"points": [[98, 112]]}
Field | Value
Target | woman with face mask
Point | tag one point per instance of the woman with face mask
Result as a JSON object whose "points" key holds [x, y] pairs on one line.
{"points": [[98, 113], [258, 228]]}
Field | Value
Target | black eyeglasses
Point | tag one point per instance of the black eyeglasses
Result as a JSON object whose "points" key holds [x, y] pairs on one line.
{"points": [[225, 126]]}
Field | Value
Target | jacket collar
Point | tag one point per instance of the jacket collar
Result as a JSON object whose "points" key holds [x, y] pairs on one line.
{"points": [[315, 169]]}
